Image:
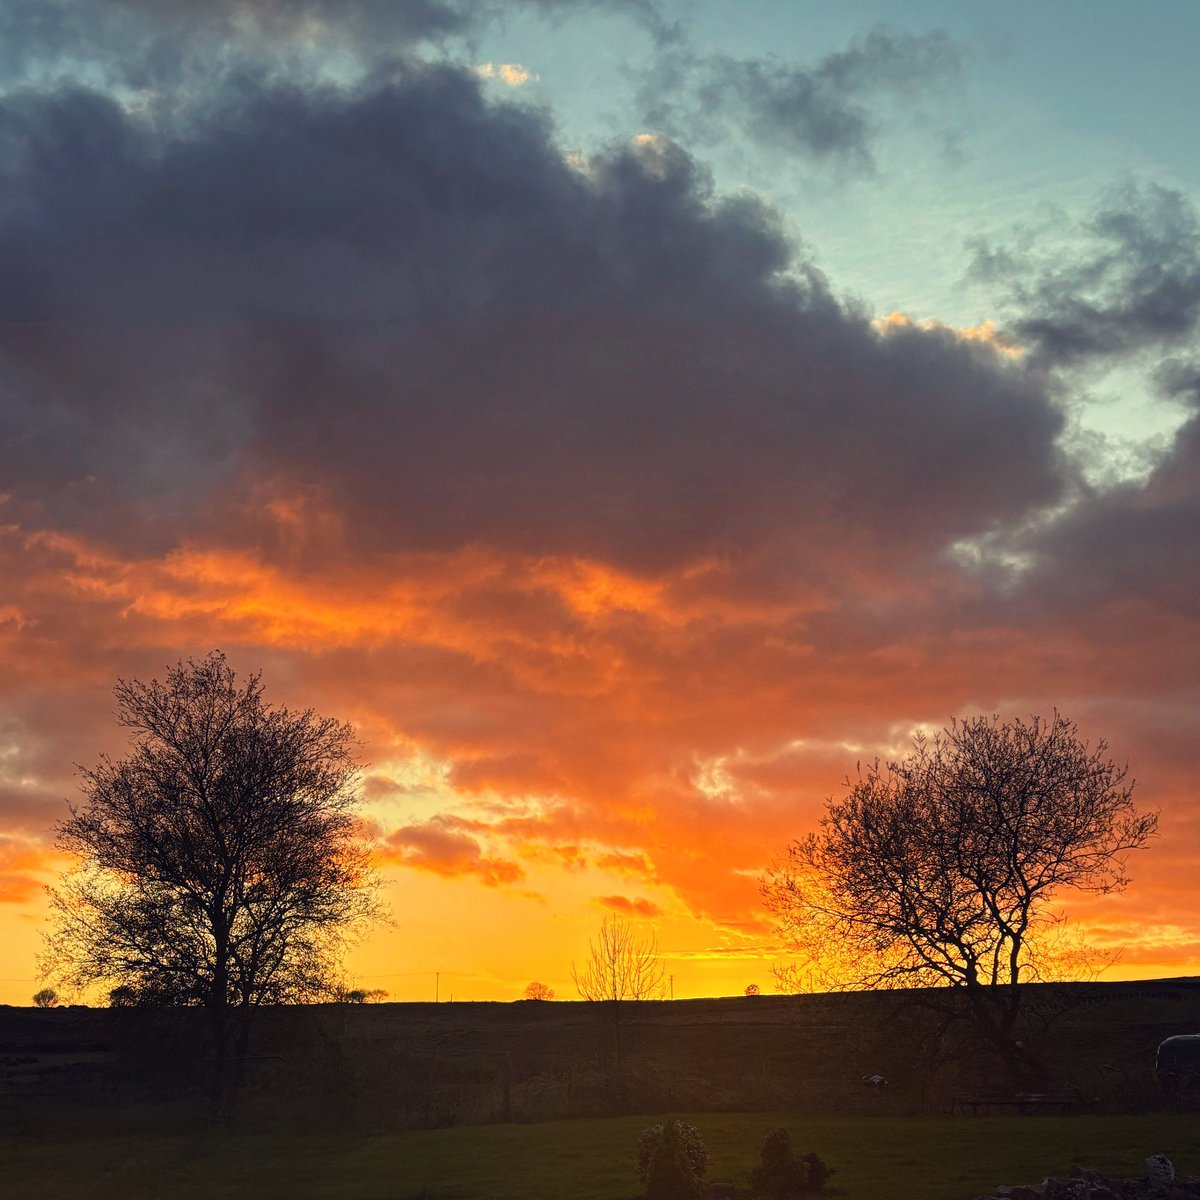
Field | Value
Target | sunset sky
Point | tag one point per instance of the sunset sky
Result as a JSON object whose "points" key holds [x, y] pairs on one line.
{"points": [[628, 414]]}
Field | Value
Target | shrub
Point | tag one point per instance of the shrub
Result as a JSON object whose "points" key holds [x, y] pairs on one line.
{"points": [[819, 1172], [695, 1153], [669, 1174], [779, 1174]]}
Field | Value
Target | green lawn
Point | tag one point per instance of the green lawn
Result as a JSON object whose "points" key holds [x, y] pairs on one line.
{"points": [[876, 1158]]}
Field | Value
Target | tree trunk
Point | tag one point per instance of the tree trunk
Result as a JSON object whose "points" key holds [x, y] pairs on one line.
{"points": [[218, 1012], [219, 1083]]}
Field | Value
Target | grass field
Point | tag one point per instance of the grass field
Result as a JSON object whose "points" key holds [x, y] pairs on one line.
{"points": [[876, 1158]]}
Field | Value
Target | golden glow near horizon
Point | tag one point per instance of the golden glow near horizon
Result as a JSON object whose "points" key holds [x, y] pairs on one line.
{"points": [[522, 782]]}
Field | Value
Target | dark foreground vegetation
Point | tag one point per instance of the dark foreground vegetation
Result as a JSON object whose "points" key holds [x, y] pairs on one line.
{"points": [[876, 1158], [467, 1101], [388, 1067]]}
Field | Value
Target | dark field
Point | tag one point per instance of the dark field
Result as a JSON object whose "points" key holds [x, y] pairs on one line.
{"points": [[375, 1068], [876, 1158], [470, 1100]]}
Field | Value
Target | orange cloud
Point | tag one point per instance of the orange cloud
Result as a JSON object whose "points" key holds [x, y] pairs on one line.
{"points": [[25, 869], [439, 847], [560, 717], [512, 75], [638, 907], [629, 864], [985, 333]]}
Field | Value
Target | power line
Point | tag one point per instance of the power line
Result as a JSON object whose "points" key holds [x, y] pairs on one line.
{"points": [[395, 974]]}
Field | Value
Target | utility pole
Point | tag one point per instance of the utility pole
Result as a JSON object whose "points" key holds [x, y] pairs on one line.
{"points": [[437, 985], [671, 980]]}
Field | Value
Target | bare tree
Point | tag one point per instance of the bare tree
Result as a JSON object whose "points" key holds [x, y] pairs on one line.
{"points": [[621, 965], [45, 998], [220, 861], [938, 869], [538, 991]]}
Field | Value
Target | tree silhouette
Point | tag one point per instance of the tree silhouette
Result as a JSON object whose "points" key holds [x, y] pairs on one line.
{"points": [[937, 869], [220, 861], [538, 991], [360, 995], [45, 998], [621, 965]]}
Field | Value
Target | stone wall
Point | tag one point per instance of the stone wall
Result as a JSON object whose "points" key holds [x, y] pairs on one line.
{"points": [[1159, 1183]]}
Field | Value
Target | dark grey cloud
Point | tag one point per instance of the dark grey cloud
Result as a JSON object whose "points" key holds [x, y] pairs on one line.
{"points": [[1179, 379], [179, 48], [1124, 280], [405, 298], [361, 22], [1108, 585], [406, 19], [826, 113], [1119, 568], [1131, 554], [179, 52]]}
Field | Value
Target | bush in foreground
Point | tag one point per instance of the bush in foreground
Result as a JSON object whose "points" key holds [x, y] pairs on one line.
{"points": [[669, 1174], [780, 1174], [819, 1172], [695, 1153]]}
